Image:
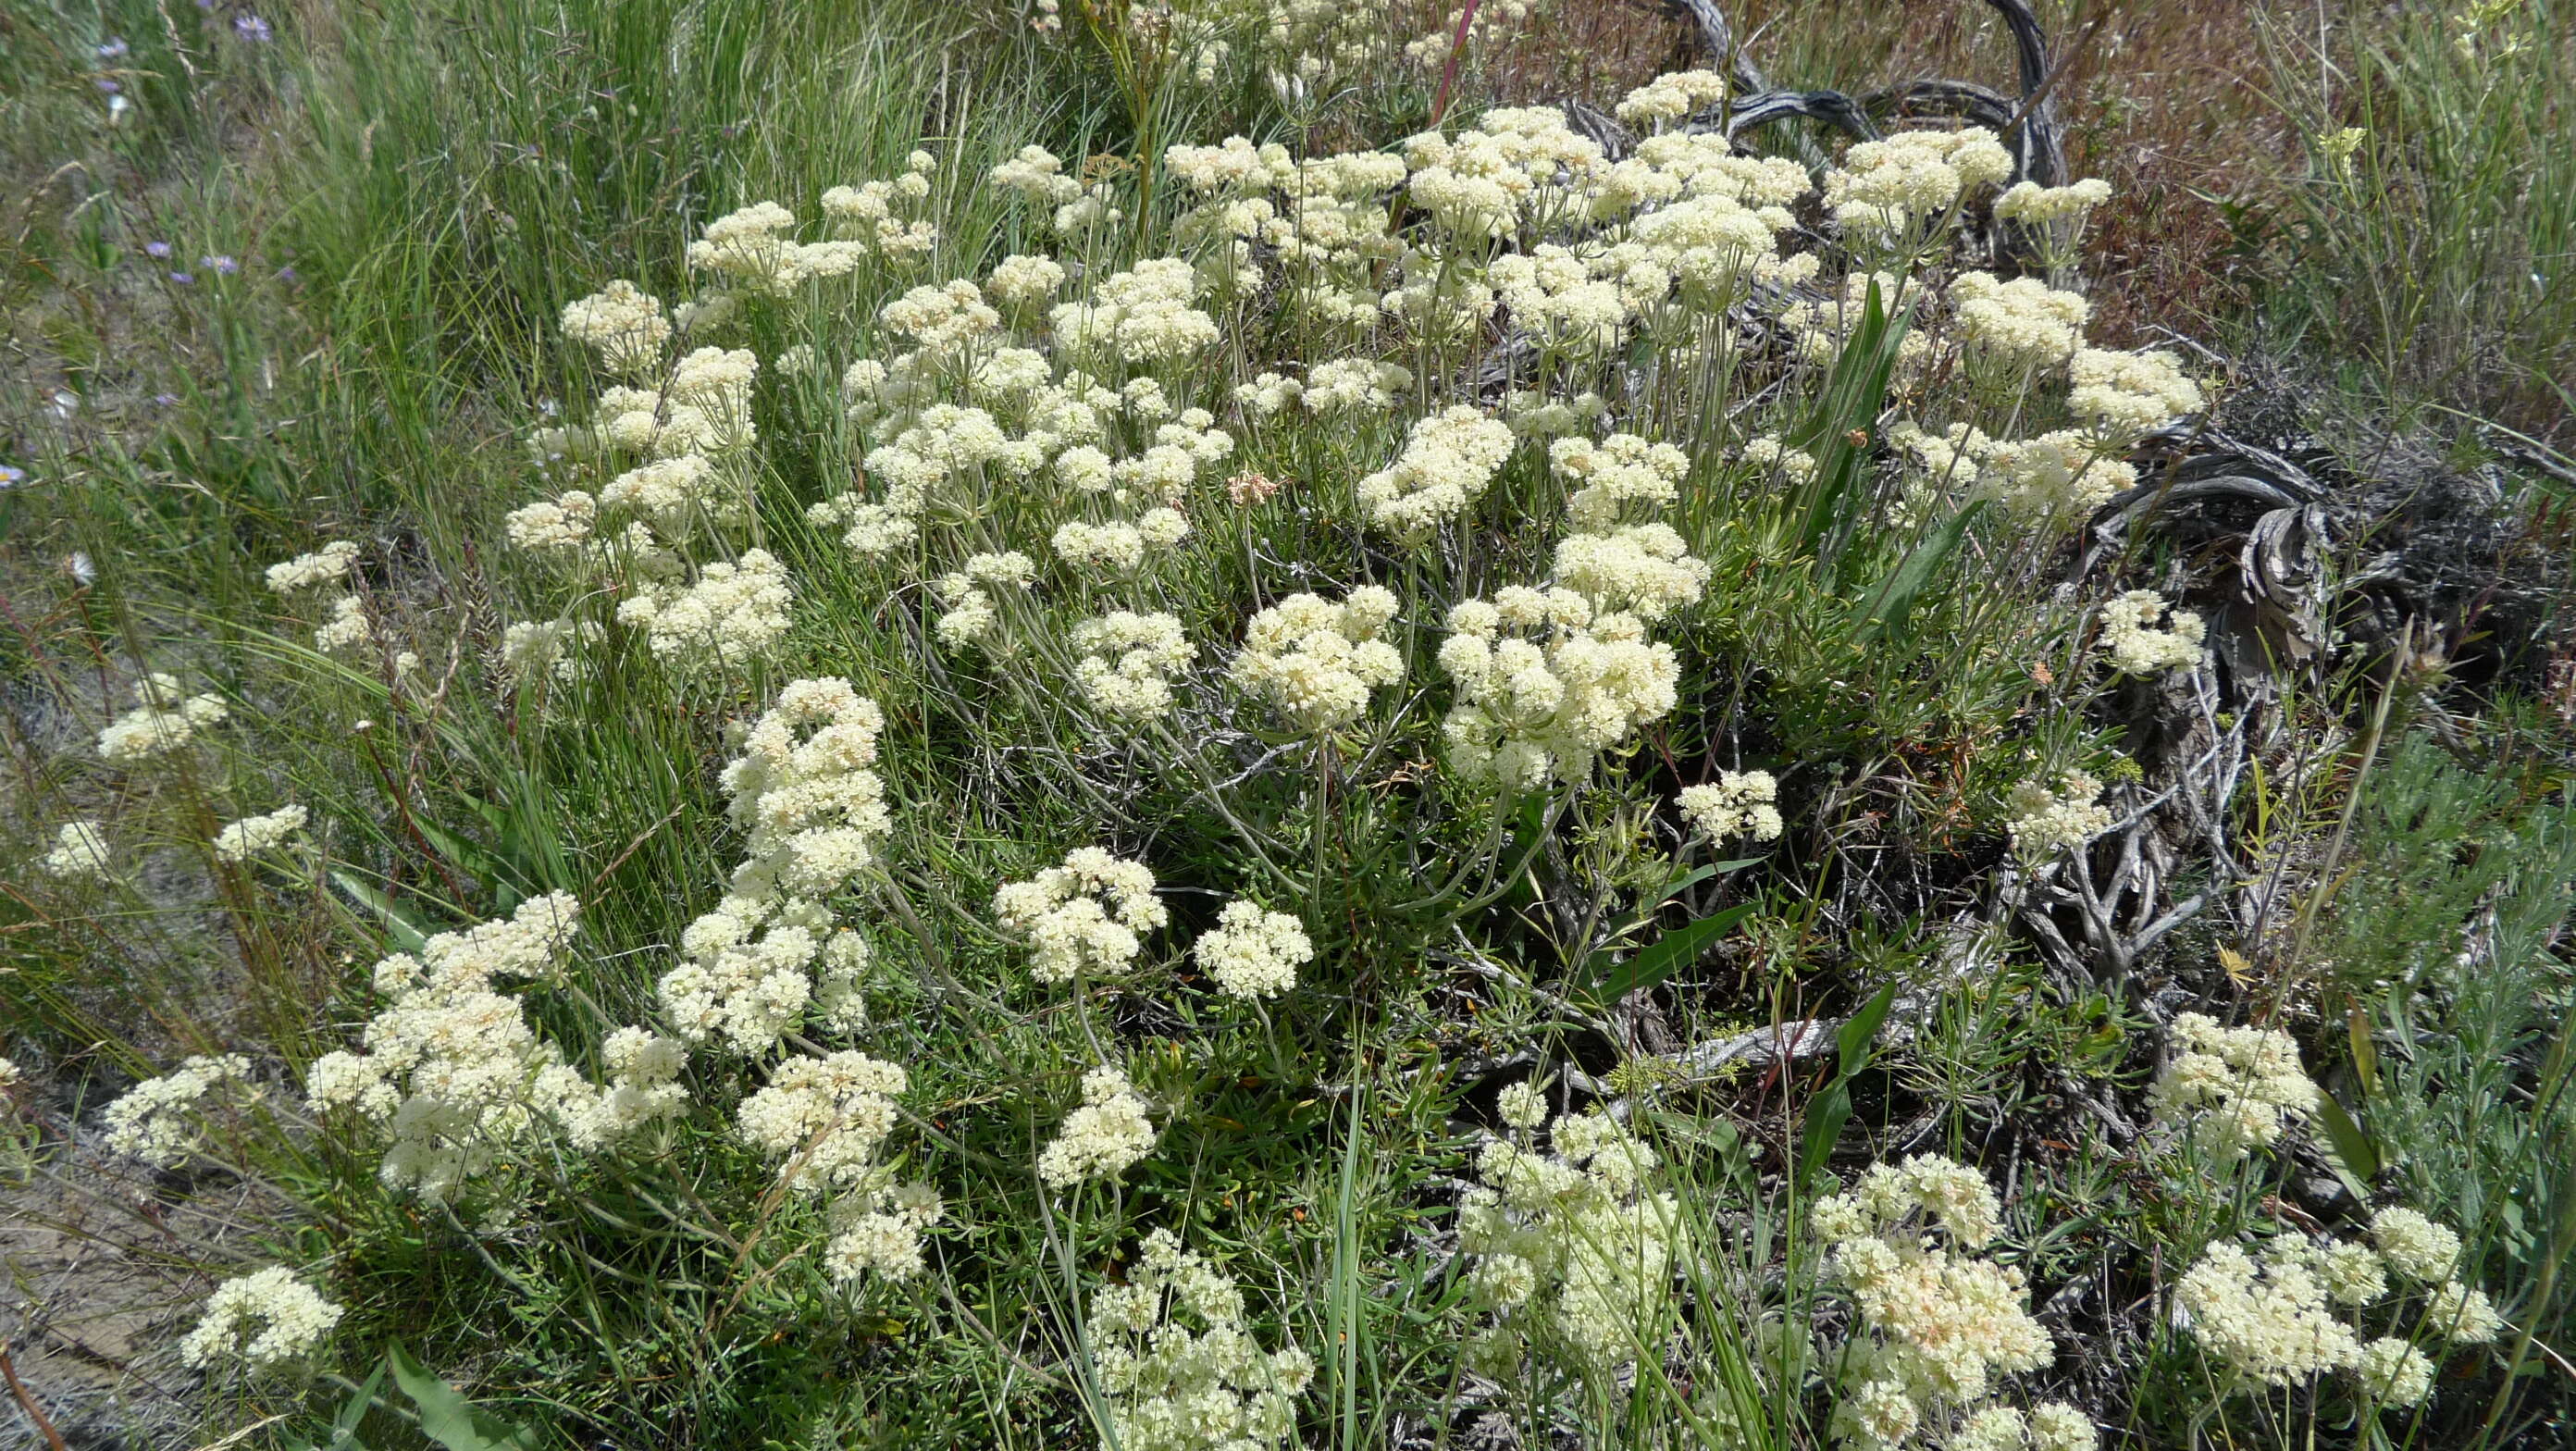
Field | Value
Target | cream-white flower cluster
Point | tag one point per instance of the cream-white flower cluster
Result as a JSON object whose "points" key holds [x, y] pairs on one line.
{"points": [[1737, 803], [328, 565], [2294, 1313], [732, 613], [2126, 394], [455, 1076], [79, 850], [1140, 317], [246, 838], [1574, 1249], [268, 1321], [1545, 684], [972, 615], [160, 1119], [1103, 1137], [2135, 645], [826, 1121], [1087, 917], [2028, 201], [2044, 822], [163, 721], [1938, 1326], [624, 324], [1885, 191], [811, 808], [2235, 1089], [1128, 662], [1170, 1387], [1447, 462], [1253, 952], [1316, 661], [2017, 326]]}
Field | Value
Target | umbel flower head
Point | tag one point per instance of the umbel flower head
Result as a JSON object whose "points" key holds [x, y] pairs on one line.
{"points": [[1939, 1326], [1177, 1367], [1088, 916], [267, 1321], [1316, 661], [1253, 952], [2235, 1088], [1737, 803], [1103, 1137], [1574, 1250]]}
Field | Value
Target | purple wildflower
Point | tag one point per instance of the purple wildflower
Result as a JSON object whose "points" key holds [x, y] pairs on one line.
{"points": [[156, 249], [220, 262], [252, 28]]}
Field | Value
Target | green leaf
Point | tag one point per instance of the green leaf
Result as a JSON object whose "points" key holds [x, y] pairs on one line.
{"points": [[1895, 598], [446, 1417], [2355, 1159], [1857, 1043], [401, 932], [1826, 1115], [1664, 956]]}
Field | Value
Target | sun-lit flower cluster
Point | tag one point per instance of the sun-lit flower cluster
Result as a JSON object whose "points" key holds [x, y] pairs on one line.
{"points": [[1086, 917], [1103, 1137], [811, 809], [1128, 662], [160, 1120], [1885, 191], [2017, 326], [1178, 1368], [1545, 684], [1253, 952], [1737, 803], [1573, 1245], [1315, 661], [1447, 462], [2044, 822], [451, 1071], [2135, 644], [79, 851], [732, 613], [328, 565], [246, 838], [2126, 394], [624, 323], [267, 1321], [2296, 1310], [2235, 1088], [163, 721], [825, 1120], [1939, 1327]]}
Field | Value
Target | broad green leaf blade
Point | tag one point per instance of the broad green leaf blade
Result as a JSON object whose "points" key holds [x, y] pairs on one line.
{"points": [[2355, 1159], [1858, 1041], [446, 1417], [401, 932], [1895, 598], [1664, 956]]}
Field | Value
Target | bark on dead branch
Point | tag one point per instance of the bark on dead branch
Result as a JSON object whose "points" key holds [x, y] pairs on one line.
{"points": [[2029, 126]]}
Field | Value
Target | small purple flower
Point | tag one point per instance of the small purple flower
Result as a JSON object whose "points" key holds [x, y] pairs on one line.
{"points": [[183, 279], [220, 262], [165, 400], [156, 249], [11, 478], [205, 4], [115, 48], [110, 87], [286, 274], [252, 28]]}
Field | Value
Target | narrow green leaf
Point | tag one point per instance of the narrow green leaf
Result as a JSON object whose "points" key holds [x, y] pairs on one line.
{"points": [[401, 932], [2355, 1159], [1858, 1041], [1664, 956], [1826, 1115], [446, 1417], [1894, 600]]}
